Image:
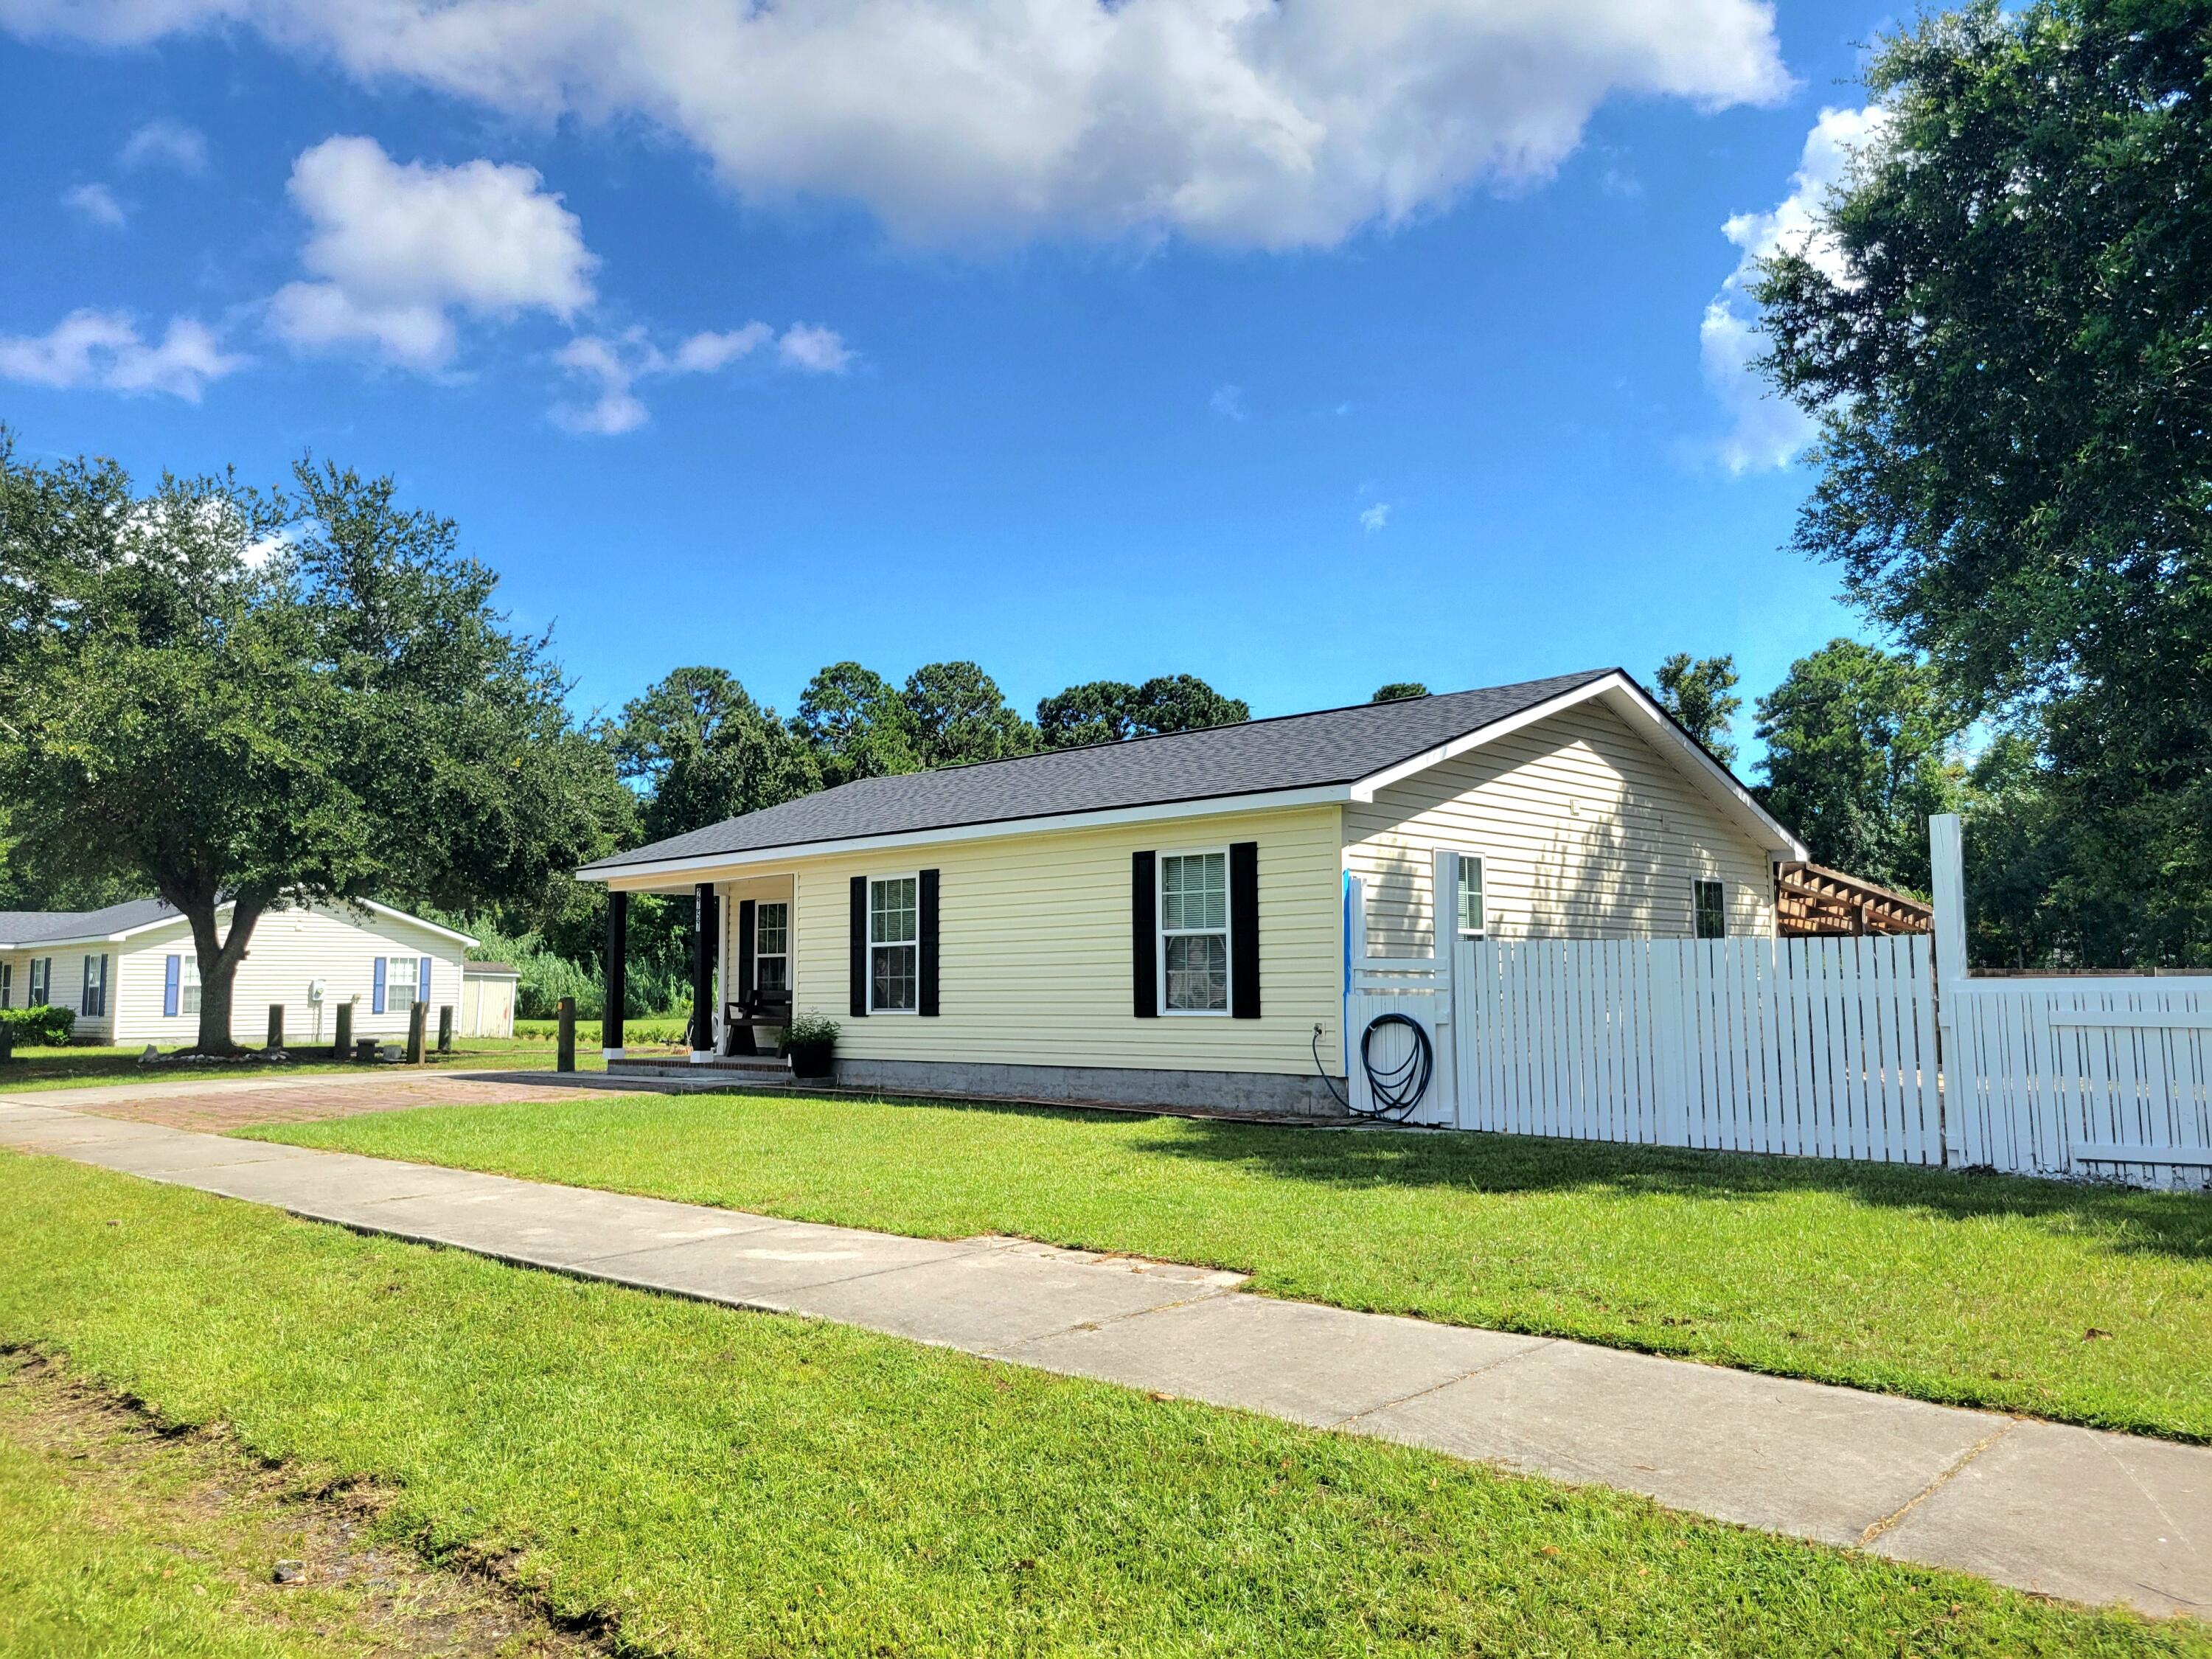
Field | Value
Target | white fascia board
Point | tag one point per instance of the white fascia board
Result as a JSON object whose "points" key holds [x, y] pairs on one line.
{"points": [[1211, 806], [222, 910], [1629, 699]]}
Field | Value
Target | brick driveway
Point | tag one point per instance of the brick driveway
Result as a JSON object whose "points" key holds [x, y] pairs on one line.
{"points": [[306, 1101]]}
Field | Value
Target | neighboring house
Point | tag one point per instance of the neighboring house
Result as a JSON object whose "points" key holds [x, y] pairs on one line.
{"points": [[131, 972], [1163, 919]]}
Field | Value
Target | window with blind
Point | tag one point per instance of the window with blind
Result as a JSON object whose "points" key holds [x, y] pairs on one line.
{"points": [[1194, 932]]}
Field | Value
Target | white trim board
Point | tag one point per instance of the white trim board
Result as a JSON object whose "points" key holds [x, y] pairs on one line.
{"points": [[328, 905]]}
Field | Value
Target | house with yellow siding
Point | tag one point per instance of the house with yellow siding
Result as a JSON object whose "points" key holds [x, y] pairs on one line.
{"points": [[1164, 921]]}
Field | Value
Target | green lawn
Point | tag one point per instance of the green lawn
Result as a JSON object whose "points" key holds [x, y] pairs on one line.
{"points": [[2084, 1304], [731, 1483], [88, 1066], [116, 1538]]}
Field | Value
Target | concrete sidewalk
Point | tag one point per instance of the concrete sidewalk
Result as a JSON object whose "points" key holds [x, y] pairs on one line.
{"points": [[2090, 1517]]}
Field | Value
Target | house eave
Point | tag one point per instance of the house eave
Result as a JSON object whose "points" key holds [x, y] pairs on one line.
{"points": [[638, 876]]}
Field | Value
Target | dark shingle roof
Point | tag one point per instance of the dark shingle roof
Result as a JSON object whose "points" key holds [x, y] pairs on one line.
{"points": [[1291, 751], [36, 926]]}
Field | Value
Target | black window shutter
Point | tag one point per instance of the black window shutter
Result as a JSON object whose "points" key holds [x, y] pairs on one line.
{"points": [[1144, 937], [747, 937], [1244, 930], [859, 947], [925, 998]]}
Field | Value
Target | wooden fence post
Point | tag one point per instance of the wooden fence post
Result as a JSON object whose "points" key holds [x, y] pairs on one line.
{"points": [[564, 1056], [418, 1020], [341, 1047], [445, 1028], [276, 1026]]}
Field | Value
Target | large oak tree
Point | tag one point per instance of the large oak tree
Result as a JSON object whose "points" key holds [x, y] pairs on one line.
{"points": [[255, 700], [2005, 324]]}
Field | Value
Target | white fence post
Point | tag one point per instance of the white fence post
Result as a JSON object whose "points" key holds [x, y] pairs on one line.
{"points": [[1946, 867]]}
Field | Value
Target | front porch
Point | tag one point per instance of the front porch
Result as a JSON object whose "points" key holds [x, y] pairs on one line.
{"points": [[741, 976]]}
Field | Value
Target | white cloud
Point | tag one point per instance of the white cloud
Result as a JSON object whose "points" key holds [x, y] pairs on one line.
{"points": [[96, 203], [1228, 402], [1765, 431], [397, 248], [104, 349], [1372, 518], [165, 144], [616, 409], [612, 368], [1243, 122], [702, 354], [816, 350]]}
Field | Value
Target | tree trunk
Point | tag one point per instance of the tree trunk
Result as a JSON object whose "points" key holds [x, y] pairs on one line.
{"points": [[218, 960]]}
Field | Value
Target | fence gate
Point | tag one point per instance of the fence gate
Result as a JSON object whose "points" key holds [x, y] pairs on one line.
{"points": [[2070, 1074]]}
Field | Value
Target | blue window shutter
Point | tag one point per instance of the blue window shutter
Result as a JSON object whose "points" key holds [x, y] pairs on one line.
{"points": [[376, 998], [84, 1002], [172, 976], [423, 981]]}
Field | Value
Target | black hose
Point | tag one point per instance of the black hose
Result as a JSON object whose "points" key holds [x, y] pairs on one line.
{"points": [[1395, 1090], [1398, 1088]]}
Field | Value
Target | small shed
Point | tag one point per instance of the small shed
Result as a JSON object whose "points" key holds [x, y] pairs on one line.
{"points": [[488, 990]]}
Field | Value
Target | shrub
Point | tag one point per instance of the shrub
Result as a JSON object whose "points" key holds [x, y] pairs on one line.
{"points": [[810, 1028], [43, 1024]]}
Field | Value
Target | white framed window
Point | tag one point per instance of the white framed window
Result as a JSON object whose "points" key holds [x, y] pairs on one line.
{"points": [[772, 946], [188, 983], [42, 982], [1470, 897], [93, 1003], [895, 945], [1194, 932], [1709, 909], [400, 973]]}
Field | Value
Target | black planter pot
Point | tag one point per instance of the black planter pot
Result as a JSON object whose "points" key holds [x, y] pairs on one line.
{"points": [[811, 1060]]}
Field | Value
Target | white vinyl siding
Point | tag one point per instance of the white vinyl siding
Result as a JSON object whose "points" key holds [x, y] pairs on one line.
{"points": [[1584, 831], [290, 950]]}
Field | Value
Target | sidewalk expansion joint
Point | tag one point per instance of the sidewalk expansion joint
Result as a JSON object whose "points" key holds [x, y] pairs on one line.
{"points": [[1008, 1351], [1537, 1346], [1941, 1480]]}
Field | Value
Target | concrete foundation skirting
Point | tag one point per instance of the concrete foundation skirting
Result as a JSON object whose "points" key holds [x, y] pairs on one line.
{"points": [[1272, 1093]]}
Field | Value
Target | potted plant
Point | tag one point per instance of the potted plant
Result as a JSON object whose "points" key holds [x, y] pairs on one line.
{"points": [[810, 1040]]}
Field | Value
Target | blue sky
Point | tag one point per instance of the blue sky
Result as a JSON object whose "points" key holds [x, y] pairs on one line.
{"points": [[1140, 342]]}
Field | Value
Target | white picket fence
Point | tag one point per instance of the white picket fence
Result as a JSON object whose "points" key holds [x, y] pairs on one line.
{"points": [[1826, 1048], [2070, 1075], [1823, 1048]]}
